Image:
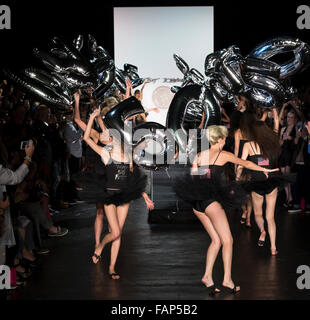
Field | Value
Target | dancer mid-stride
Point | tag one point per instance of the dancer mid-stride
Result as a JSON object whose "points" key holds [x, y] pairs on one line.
{"points": [[124, 183], [210, 193]]}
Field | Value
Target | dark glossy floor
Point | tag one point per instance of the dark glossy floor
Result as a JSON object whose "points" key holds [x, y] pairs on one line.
{"points": [[167, 261]]}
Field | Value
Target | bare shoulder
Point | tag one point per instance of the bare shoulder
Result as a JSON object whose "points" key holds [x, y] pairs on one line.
{"points": [[227, 155]]}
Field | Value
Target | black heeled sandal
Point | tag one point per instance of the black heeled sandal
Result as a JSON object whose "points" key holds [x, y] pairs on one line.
{"points": [[243, 220], [230, 290], [261, 243], [212, 290], [111, 275]]}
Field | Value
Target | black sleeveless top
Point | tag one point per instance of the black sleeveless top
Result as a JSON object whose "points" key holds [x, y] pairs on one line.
{"points": [[117, 174], [213, 171], [260, 161]]}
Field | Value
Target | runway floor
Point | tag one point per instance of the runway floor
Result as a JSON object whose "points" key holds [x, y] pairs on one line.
{"points": [[167, 261]]}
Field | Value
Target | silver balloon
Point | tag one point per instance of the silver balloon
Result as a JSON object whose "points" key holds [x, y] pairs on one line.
{"points": [[266, 83], [71, 51], [230, 64], [59, 53], [62, 65], [78, 42], [49, 80], [43, 92], [120, 80], [261, 66], [211, 60], [262, 98], [186, 112], [181, 64], [276, 46], [156, 156]]}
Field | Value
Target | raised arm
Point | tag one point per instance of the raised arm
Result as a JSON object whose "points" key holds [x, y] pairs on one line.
{"points": [[129, 92], [77, 118], [281, 120], [105, 131], [104, 154], [9, 177], [264, 116], [276, 124]]}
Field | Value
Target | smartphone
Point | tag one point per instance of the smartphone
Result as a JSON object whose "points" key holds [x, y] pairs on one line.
{"points": [[23, 144], [4, 196]]}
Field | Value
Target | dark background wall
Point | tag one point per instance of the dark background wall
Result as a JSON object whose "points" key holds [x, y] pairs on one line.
{"points": [[242, 24]]}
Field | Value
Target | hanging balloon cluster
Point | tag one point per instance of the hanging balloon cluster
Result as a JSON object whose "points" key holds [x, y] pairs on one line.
{"points": [[89, 67], [228, 74], [196, 104], [69, 67]]}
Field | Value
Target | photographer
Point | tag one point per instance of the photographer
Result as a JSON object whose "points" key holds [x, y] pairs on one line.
{"points": [[9, 177]]}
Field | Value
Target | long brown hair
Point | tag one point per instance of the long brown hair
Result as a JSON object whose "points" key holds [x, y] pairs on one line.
{"points": [[257, 131]]}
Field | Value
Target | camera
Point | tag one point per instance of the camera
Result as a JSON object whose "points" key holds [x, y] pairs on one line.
{"points": [[23, 144]]}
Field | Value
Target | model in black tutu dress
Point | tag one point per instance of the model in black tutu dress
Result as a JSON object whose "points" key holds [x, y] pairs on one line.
{"points": [[263, 148], [210, 194], [122, 183]]}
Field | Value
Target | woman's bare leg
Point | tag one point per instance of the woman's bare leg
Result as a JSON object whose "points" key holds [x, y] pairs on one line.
{"points": [[122, 212], [213, 249], [98, 225], [287, 188], [220, 223], [271, 200], [258, 201], [110, 211], [244, 213], [249, 207]]}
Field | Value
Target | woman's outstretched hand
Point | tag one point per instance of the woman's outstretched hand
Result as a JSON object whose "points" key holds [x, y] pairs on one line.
{"points": [[266, 171], [149, 204]]}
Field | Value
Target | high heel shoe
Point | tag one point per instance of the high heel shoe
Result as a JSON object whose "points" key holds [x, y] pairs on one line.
{"points": [[274, 252], [211, 290], [231, 290], [261, 243]]}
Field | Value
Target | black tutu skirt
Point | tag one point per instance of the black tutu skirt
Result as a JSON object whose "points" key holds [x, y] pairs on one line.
{"points": [[94, 179], [265, 186], [200, 193], [136, 184]]}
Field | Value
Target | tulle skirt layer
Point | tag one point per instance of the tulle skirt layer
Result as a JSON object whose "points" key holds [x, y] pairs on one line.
{"points": [[200, 193]]}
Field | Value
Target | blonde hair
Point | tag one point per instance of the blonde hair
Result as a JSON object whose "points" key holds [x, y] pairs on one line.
{"points": [[214, 133], [110, 102]]}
